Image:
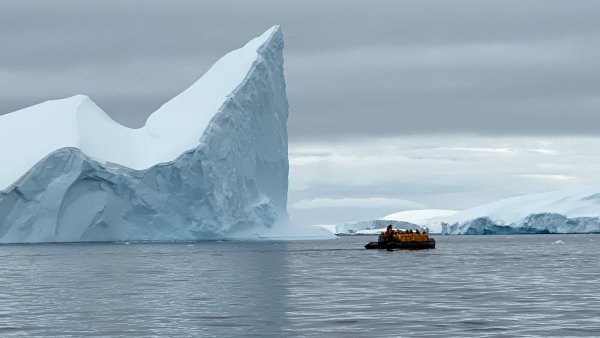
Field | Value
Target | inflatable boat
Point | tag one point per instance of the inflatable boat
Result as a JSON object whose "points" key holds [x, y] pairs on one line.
{"points": [[399, 239]]}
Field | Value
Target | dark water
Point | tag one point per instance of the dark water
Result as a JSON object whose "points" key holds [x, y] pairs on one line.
{"points": [[470, 286]]}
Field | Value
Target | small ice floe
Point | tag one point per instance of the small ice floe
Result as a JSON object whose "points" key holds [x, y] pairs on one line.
{"points": [[560, 242], [592, 240]]}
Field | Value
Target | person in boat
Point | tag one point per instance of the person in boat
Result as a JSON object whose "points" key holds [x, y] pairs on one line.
{"points": [[389, 233]]}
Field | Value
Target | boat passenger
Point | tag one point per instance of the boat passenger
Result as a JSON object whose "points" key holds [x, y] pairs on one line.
{"points": [[389, 232]]}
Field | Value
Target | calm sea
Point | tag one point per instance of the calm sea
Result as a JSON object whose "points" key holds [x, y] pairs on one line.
{"points": [[469, 286]]}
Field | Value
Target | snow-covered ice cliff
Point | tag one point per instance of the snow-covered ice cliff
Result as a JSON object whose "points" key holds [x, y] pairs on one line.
{"points": [[210, 163], [573, 211]]}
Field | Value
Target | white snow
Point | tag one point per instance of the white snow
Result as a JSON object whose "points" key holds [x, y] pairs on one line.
{"points": [[409, 219], [328, 227], [571, 203], [376, 231], [367, 227], [429, 218], [576, 210], [30, 134]]}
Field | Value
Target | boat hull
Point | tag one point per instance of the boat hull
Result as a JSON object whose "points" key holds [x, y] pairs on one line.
{"points": [[430, 244]]}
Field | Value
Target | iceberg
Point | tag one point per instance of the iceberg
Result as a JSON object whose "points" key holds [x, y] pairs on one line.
{"points": [[422, 220], [573, 211], [428, 218], [211, 163], [368, 227]]}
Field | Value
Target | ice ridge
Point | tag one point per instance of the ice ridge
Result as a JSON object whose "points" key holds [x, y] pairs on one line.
{"points": [[230, 174]]}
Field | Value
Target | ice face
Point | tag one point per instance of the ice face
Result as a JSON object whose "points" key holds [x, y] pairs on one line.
{"points": [[230, 173], [544, 223], [574, 211], [32, 133]]}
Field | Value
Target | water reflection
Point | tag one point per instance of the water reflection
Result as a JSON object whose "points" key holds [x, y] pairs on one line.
{"points": [[470, 286], [144, 289]]}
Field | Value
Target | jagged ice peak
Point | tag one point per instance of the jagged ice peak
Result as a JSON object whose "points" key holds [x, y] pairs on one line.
{"points": [[30, 134]]}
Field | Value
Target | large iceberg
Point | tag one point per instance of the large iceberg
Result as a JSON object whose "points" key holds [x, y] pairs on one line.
{"points": [[574, 211], [210, 163]]}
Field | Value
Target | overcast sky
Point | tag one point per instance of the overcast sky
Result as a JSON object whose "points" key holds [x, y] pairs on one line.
{"points": [[393, 104]]}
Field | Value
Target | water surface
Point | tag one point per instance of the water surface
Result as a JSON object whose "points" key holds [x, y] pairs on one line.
{"points": [[469, 286]]}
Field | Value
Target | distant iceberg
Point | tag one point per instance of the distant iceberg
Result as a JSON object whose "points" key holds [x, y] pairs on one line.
{"points": [[574, 211], [427, 218], [368, 227], [422, 220], [211, 163]]}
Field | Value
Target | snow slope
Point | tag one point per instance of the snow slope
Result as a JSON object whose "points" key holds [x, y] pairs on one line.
{"points": [[555, 212], [77, 122], [429, 218], [211, 163], [367, 227]]}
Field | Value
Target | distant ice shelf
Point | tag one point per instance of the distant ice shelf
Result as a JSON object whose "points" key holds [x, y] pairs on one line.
{"points": [[427, 218], [211, 163], [368, 227], [572, 211]]}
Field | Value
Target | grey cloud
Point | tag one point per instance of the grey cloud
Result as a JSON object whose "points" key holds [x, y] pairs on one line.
{"points": [[549, 88], [357, 68]]}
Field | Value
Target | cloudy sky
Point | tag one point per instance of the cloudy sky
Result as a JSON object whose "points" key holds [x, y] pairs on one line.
{"points": [[394, 105]]}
